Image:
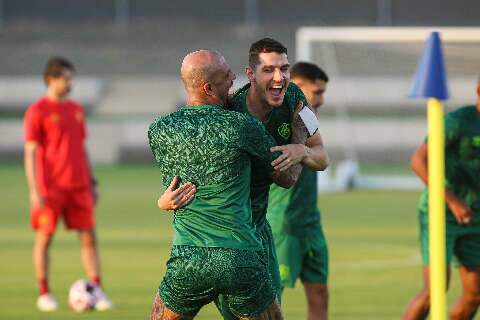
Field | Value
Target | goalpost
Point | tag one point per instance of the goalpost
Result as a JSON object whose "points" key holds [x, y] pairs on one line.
{"points": [[371, 69]]}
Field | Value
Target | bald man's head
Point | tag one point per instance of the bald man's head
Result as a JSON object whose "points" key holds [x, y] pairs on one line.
{"points": [[198, 67], [206, 76]]}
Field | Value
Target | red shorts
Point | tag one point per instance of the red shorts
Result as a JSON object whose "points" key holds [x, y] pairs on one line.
{"points": [[77, 209]]}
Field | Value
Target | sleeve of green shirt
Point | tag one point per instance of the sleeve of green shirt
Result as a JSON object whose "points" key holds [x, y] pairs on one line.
{"points": [[297, 95], [153, 140], [257, 141]]}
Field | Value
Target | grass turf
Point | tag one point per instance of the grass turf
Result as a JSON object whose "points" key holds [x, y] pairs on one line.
{"points": [[372, 236]]}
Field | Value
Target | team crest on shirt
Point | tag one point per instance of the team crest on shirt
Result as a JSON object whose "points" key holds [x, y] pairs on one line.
{"points": [[284, 130], [79, 116], [476, 141], [55, 117], [284, 271]]}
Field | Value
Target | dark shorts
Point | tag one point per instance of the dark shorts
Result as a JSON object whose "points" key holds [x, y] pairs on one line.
{"points": [[303, 256], [264, 233], [462, 241], [195, 276]]}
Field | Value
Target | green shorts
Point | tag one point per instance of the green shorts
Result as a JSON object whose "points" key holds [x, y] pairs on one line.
{"points": [[264, 233], [463, 242], [303, 256], [195, 276]]}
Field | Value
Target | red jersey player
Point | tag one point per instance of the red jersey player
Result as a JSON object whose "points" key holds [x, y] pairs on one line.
{"points": [[61, 184]]}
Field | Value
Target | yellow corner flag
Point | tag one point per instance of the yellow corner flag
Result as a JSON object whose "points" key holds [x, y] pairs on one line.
{"points": [[430, 82]]}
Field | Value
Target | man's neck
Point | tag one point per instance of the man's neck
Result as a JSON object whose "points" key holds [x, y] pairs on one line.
{"points": [[54, 97], [200, 101], [256, 107]]}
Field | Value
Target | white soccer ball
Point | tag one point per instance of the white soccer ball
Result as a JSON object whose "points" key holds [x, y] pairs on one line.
{"points": [[81, 297]]}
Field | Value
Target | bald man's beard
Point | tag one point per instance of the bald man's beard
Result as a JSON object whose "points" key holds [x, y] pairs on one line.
{"points": [[222, 98]]}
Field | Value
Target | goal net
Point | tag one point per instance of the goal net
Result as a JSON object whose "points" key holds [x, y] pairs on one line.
{"points": [[369, 124]]}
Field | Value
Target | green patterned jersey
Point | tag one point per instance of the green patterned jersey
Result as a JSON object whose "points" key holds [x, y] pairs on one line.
{"points": [[462, 158], [212, 148], [294, 210], [278, 125]]}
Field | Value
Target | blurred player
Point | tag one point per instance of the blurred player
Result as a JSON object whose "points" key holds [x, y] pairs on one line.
{"points": [[462, 195], [60, 181], [215, 248], [295, 219]]}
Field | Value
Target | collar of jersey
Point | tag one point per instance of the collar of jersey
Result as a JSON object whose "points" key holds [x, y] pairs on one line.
{"points": [[203, 106]]}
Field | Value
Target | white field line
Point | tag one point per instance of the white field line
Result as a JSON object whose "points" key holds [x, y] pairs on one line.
{"points": [[378, 264]]}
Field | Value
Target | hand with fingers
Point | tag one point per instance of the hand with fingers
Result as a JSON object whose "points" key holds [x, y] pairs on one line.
{"points": [[462, 212], [292, 154], [175, 198], [36, 200]]}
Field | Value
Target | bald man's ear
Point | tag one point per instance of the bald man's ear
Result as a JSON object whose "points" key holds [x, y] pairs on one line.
{"points": [[207, 88]]}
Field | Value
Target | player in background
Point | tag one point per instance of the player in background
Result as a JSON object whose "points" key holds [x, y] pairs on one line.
{"points": [[215, 248], [60, 180], [462, 195], [295, 218]]}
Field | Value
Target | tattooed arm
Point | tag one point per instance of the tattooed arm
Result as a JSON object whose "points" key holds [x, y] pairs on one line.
{"points": [[305, 150]]}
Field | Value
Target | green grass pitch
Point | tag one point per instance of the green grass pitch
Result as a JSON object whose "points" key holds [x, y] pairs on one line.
{"points": [[374, 268]]}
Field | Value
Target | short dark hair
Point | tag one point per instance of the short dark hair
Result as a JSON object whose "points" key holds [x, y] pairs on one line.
{"points": [[307, 71], [55, 66], [263, 46]]}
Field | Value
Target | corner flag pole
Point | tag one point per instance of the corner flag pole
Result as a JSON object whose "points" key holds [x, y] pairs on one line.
{"points": [[430, 82]]}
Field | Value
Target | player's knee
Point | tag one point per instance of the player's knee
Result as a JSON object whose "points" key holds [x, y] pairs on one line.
{"points": [[472, 299], [272, 312], [316, 292], [466, 307], [424, 298], [161, 312], [43, 240], [88, 238]]}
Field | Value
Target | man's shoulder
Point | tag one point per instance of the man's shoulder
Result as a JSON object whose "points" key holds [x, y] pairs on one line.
{"points": [[36, 109], [160, 121], [292, 96], [294, 91], [75, 105], [237, 99], [37, 105], [461, 114]]}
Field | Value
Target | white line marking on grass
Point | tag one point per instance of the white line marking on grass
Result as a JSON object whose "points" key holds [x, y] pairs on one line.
{"points": [[410, 261]]}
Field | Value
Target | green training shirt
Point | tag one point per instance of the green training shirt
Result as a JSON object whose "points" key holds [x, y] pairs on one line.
{"points": [[211, 147], [278, 125], [462, 157], [294, 210]]}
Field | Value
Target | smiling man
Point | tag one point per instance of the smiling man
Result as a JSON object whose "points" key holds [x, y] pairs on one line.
{"points": [[271, 98]]}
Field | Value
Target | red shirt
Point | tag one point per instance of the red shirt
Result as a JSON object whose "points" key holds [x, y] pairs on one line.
{"points": [[59, 129]]}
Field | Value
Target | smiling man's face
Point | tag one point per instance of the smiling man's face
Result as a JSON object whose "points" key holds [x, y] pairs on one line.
{"points": [[271, 77]]}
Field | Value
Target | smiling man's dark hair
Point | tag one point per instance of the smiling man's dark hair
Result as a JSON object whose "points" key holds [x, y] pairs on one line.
{"points": [[264, 45]]}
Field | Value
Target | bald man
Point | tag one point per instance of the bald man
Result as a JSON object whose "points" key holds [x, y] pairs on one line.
{"points": [[215, 248]]}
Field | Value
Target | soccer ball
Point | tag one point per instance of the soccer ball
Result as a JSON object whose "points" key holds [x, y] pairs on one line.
{"points": [[81, 297]]}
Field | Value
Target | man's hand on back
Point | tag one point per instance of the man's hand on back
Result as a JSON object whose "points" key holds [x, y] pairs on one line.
{"points": [[175, 198]]}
